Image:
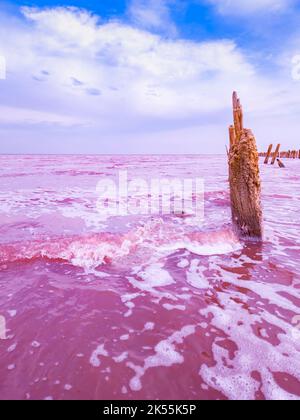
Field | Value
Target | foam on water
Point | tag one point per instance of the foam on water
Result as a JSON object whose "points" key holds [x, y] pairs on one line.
{"points": [[234, 377], [155, 276], [157, 238], [104, 300], [195, 276], [95, 359], [255, 362], [166, 354]]}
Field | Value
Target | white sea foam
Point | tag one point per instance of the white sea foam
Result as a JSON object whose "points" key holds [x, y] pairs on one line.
{"points": [[124, 337], [95, 357], [268, 291], [156, 276], [195, 275], [183, 263], [12, 348], [149, 326], [166, 354], [119, 359], [224, 246], [233, 377], [170, 307], [152, 278]]}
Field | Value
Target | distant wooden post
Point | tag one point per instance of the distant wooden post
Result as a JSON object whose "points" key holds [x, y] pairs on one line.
{"points": [[280, 164], [244, 177], [276, 154], [268, 154]]}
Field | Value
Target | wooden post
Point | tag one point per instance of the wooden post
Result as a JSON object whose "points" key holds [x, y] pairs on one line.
{"points": [[276, 153], [244, 178], [232, 135], [280, 164], [268, 154]]}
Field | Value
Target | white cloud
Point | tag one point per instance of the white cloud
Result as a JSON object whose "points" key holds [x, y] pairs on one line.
{"points": [[67, 24], [127, 83], [153, 14], [27, 116], [150, 74], [245, 7]]}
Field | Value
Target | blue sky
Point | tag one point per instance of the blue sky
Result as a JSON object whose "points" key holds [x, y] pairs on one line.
{"points": [[140, 76]]}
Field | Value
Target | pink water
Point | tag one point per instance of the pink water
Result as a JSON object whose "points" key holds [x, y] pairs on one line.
{"points": [[148, 307]]}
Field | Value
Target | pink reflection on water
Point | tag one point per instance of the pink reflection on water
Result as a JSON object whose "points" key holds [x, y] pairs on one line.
{"points": [[144, 307]]}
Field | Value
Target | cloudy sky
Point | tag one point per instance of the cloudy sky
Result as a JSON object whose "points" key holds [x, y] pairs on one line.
{"points": [[156, 76]]}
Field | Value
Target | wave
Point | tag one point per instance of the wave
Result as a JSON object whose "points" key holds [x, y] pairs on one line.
{"points": [[105, 248]]}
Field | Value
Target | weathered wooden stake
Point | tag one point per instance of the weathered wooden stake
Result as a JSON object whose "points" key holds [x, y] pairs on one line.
{"points": [[244, 178], [232, 135], [268, 154], [276, 153], [280, 163]]}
